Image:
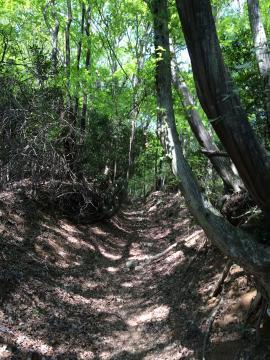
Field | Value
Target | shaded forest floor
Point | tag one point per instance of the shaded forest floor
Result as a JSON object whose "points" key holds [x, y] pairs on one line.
{"points": [[135, 287]]}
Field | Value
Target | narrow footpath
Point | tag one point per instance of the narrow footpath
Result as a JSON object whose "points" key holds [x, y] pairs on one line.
{"points": [[135, 287]]}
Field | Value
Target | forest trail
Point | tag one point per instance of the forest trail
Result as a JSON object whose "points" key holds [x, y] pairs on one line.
{"points": [[134, 287]]}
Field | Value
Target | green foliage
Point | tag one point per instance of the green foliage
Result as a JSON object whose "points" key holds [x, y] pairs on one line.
{"points": [[42, 102], [237, 46]]}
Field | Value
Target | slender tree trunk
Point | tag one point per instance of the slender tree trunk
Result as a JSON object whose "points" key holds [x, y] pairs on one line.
{"points": [[221, 164], [79, 54], [131, 141], [221, 103], [70, 137], [235, 243], [87, 67], [262, 50], [67, 36], [5, 48], [140, 59], [54, 30]]}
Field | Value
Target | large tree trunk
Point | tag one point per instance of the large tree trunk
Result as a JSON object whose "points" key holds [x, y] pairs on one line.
{"points": [[221, 164], [237, 244], [261, 48], [221, 102]]}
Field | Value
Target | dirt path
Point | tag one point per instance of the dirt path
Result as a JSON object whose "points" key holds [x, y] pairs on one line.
{"points": [[134, 287]]}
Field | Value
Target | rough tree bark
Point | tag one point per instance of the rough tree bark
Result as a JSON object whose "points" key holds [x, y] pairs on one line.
{"points": [[262, 50], [221, 164], [239, 245], [221, 102]]}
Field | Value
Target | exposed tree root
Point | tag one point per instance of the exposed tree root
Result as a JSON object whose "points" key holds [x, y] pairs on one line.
{"points": [[219, 284], [237, 207], [219, 290], [254, 308], [261, 315], [210, 324], [256, 314]]}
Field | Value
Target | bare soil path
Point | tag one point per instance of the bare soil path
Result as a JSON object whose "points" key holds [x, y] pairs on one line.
{"points": [[135, 287]]}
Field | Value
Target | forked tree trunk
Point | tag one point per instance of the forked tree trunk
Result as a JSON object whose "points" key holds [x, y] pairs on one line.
{"points": [[235, 243], [221, 164], [261, 48], [221, 102]]}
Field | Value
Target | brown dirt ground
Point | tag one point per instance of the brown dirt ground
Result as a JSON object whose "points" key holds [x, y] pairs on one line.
{"points": [[135, 287]]}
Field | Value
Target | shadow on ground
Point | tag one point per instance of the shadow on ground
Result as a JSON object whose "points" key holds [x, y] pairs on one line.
{"points": [[67, 291]]}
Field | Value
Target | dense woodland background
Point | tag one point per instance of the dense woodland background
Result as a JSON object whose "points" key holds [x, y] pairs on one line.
{"points": [[100, 101], [78, 92]]}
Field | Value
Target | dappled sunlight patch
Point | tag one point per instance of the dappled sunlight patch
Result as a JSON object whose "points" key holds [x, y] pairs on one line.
{"points": [[72, 239], [131, 284], [17, 219], [181, 225], [50, 249], [162, 234], [25, 342], [79, 243], [98, 231], [157, 233], [151, 314], [71, 298], [133, 213], [175, 257], [127, 285], [55, 228], [77, 294], [191, 240], [69, 228], [85, 355], [165, 268], [112, 269], [244, 302], [89, 285], [137, 255], [226, 320], [152, 208], [106, 254], [119, 226], [136, 343], [5, 352], [61, 249], [170, 352]]}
